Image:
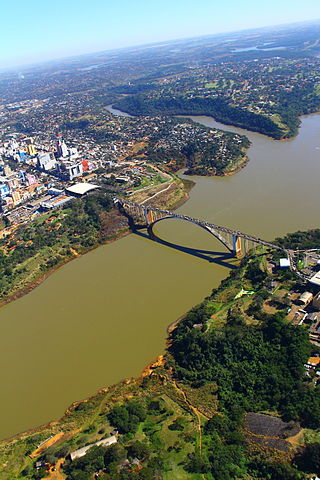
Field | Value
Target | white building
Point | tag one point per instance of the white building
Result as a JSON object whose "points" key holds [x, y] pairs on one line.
{"points": [[46, 161], [64, 149], [106, 442], [72, 169]]}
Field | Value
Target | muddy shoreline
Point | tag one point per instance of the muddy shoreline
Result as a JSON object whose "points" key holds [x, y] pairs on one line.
{"points": [[28, 288], [188, 185]]}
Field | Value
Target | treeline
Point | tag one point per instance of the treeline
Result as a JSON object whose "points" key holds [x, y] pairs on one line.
{"points": [[290, 105], [218, 108], [80, 227], [301, 240], [299, 101]]}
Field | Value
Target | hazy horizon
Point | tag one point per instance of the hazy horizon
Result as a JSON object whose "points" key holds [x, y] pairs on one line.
{"points": [[44, 33], [150, 44]]}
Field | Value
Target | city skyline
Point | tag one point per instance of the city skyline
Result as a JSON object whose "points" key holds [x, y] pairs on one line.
{"points": [[34, 33]]}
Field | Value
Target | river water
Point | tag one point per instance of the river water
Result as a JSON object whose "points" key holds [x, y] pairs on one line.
{"points": [[104, 316]]}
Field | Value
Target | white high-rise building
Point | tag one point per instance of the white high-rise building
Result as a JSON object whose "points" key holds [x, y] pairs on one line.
{"points": [[62, 149], [46, 161]]}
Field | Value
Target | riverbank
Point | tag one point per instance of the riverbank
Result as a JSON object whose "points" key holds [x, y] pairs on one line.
{"points": [[170, 200], [261, 123], [87, 421], [18, 452], [38, 281]]}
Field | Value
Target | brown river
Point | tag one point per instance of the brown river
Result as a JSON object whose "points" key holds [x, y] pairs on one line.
{"points": [[103, 317]]}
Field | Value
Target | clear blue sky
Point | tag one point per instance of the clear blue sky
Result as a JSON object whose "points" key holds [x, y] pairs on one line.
{"points": [[36, 30]]}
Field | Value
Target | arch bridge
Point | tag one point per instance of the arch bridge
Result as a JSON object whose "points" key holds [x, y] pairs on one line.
{"points": [[236, 242]]}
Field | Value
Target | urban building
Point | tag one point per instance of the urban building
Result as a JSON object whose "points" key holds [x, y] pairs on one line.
{"points": [[61, 147], [4, 190], [80, 189], [46, 161], [31, 149], [316, 301], [7, 170], [70, 170]]}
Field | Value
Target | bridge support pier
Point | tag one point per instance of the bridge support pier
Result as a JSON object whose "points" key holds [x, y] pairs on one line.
{"points": [[148, 215], [236, 246], [149, 218]]}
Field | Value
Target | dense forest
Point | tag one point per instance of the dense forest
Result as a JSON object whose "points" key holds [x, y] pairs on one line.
{"points": [[295, 103], [262, 96], [301, 240], [257, 367], [218, 108]]}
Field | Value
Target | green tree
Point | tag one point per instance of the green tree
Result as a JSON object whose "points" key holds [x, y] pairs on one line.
{"points": [[197, 464], [139, 450], [114, 453], [309, 460]]}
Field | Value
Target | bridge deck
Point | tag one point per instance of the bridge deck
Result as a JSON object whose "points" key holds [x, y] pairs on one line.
{"points": [[206, 225]]}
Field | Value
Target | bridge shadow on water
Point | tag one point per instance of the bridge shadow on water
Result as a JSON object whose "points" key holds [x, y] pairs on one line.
{"points": [[220, 258]]}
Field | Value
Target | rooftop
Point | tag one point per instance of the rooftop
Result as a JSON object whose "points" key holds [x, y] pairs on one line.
{"points": [[81, 188], [284, 262], [315, 279], [82, 451]]}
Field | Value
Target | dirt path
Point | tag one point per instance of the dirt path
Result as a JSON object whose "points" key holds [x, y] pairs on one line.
{"points": [[48, 443], [158, 362], [195, 411], [294, 441], [57, 474], [156, 194]]}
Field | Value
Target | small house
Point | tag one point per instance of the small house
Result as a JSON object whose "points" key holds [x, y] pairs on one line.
{"points": [[314, 362], [305, 298], [312, 317], [106, 442], [284, 263]]}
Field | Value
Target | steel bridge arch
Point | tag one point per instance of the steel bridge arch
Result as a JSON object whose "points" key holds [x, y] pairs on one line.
{"points": [[178, 217]]}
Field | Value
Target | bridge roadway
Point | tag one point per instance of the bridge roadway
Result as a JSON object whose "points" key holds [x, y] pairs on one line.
{"points": [[206, 225]]}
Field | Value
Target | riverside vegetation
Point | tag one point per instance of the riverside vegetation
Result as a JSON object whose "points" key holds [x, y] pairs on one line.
{"points": [[37, 248], [262, 95], [229, 400]]}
